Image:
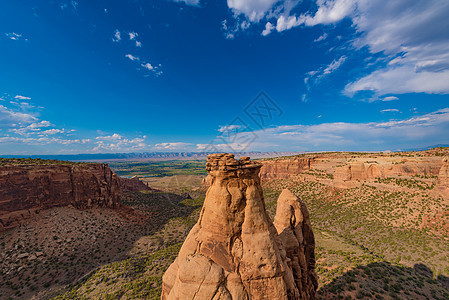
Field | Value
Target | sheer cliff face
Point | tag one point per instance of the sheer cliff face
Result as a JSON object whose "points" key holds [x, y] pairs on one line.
{"points": [[234, 251], [27, 189]]}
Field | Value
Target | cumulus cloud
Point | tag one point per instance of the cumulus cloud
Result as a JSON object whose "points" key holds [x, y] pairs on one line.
{"points": [[285, 23], [148, 66], [268, 28]]}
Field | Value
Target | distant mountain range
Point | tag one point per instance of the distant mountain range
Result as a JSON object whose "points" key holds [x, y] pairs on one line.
{"points": [[105, 157], [428, 148]]}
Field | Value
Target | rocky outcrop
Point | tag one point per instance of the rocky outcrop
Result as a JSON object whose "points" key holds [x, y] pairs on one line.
{"points": [[234, 251], [293, 226], [443, 178], [285, 168], [133, 184], [27, 189]]}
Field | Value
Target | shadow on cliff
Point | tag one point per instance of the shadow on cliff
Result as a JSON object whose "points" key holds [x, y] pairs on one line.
{"points": [[383, 280]]}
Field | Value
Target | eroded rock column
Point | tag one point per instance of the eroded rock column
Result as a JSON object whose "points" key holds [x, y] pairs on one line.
{"points": [[234, 251]]}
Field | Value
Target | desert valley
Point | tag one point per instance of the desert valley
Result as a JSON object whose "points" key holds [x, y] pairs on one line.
{"points": [[380, 224], [224, 149]]}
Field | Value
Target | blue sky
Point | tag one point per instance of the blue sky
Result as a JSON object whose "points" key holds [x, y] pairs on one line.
{"points": [[80, 76]]}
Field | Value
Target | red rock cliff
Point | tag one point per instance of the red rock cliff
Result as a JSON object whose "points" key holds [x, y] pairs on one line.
{"points": [[27, 189], [285, 168]]}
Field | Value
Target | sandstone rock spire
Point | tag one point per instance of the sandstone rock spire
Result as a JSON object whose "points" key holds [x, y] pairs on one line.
{"points": [[234, 251]]}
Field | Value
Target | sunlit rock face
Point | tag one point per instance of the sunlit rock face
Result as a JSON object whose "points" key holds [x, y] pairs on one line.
{"points": [[234, 251]]}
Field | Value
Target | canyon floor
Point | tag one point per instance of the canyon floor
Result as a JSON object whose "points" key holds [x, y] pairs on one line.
{"points": [[379, 237]]}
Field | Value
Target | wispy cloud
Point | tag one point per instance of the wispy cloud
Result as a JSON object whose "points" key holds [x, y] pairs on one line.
{"points": [[426, 130], [117, 143], [390, 110], [22, 97], [314, 77], [321, 38], [174, 146], [390, 98], [15, 36]]}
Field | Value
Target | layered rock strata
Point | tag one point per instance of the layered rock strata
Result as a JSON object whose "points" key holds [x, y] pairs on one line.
{"points": [[27, 189], [234, 251], [285, 168]]}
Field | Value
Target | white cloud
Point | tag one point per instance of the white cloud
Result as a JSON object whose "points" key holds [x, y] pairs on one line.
{"points": [[285, 23], [321, 38], [138, 44], [268, 28], [389, 110], [15, 36], [147, 66], [132, 57], [426, 130], [189, 2], [42, 140], [22, 97], [334, 65], [254, 10], [414, 35], [117, 36], [316, 75], [228, 128], [133, 35], [330, 11], [174, 146], [117, 143], [10, 118], [401, 80], [390, 98]]}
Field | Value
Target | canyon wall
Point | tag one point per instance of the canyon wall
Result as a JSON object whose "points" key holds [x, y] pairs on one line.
{"points": [[26, 189], [133, 184], [285, 168], [235, 251]]}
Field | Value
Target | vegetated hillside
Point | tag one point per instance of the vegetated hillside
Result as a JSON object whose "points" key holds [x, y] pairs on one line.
{"points": [[376, 237]]}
